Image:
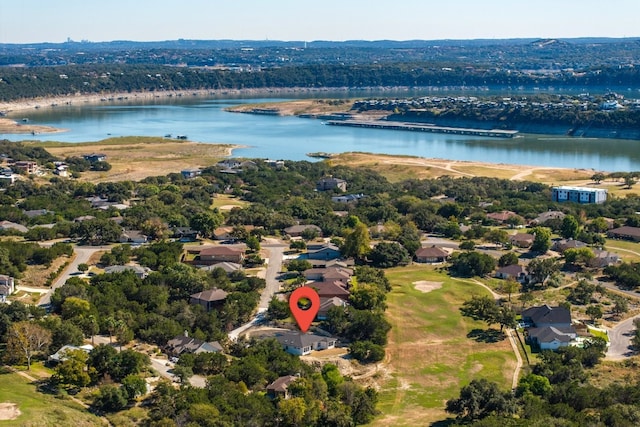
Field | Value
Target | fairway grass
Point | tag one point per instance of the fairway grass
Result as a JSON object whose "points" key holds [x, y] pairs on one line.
{"points": [[429, 356], [39, 409]]}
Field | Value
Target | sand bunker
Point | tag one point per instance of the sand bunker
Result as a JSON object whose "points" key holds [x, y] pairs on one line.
{"points": [[9, 411], [426, 286]]}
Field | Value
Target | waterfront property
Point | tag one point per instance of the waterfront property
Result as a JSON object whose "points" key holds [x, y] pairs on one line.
{"points": [[578, 194]]}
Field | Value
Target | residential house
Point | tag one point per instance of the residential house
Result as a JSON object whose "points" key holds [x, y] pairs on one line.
{"points": [[550, 326], [329, 183], [61, 354], [279, 388], [223, 233], [502, 216], [578, 194], [522, 240], [209, 299], [278, 164], [330, 289], [545, 315], [36, 212], [8, 225], [297, 230], [326, 251], [564, 244], [551, 337], [626, 232], [95, 157], [300, 344], [431, 255], [327, 304], [329, 274], [26, 166], [348, 198], [546, 216], [516, 272], [603, 259], [139, 271], [133, 236], [229, 164], [83, 218], [7, 287], [190, 173], [214, 254], [185, 234], [228, 267], [185, 344]]}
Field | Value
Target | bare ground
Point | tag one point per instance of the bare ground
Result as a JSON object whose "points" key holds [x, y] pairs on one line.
{"points": [[135, 158], [426, 286], [9, 411]]}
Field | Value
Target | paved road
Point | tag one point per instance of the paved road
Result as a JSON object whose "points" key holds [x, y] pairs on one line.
{"points": [[82, 255], [620, 340], [276, 252]]}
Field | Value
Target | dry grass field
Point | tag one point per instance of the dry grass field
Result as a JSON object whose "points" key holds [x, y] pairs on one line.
{"points": [[134, 158]]}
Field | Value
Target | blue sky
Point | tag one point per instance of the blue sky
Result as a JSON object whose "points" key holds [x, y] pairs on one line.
{"points": [[25, 21]]}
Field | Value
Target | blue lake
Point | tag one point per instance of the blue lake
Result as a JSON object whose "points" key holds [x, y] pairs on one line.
{"points": [[204, 120]]}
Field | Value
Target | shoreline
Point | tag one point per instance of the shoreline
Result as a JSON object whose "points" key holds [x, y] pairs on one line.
{"points": [[10, 107]]}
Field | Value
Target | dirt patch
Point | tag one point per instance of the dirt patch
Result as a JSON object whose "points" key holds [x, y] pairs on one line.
{"points": [[9, 411], [426, 286], [227, 207]]}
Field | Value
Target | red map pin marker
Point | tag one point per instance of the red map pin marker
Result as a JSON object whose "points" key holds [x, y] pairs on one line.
{"points": [[304, 313]]}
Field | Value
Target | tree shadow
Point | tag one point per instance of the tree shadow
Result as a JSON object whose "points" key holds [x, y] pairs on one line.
{"points": [[486, 335], [443, 423]]}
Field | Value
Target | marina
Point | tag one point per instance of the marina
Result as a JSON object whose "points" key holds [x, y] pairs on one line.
{"points": [[419, 127]]}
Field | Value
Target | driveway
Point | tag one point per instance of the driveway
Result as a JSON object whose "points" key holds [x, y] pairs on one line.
{"points": [[276, 252], [81, 255], [620, 340]]}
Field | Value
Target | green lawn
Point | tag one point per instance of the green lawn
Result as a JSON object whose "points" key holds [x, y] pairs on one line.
{"points": [[630, 250], [429, 354], [40, 409]]}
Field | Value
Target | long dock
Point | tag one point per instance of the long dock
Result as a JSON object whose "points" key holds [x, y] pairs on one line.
{"points": [[419, 127]]}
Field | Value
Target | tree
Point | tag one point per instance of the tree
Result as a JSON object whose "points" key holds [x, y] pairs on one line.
{"points": [[597, 177], [389, 254], [467, 245], [134, 386], [629, 180], [582, 293], [598, 225], [510, 286], [578, 256], [82, 267], [292, 411], [356, 242], [510, 258], [110, 398], [542, 240], [570, 227], [183, 373], [495, 235], [278, 309], [25, 340], [253, 243], [71, 371], [480, 308], [594, 312], [75, 307], [468, 264], [620, 305], [480, 399], [541, 269], [206, 222], [506, 317]]}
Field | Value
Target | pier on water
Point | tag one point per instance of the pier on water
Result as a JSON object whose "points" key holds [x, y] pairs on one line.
{"points": [[423, 127]]}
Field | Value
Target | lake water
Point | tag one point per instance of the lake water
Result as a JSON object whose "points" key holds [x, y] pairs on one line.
{"points": [[291, 138]]}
